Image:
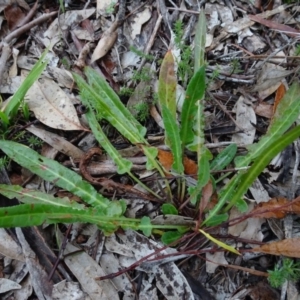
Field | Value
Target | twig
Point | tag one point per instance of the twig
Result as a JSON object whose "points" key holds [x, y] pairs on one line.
{"points": [[151, 41], [224, 110], [6, 52], [26, 27], [29, 15]]}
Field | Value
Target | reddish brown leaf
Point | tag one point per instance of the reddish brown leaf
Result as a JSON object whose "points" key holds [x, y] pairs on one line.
{"points": [[276, 208], [279, 95], [287, 247], [14, 15], [207, 192], [277, 26], [166, 160]]}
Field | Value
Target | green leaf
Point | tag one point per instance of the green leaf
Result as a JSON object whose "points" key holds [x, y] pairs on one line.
{"points": [[200, 39], [172, 134], [171, 236], [13, 105], [109, 97], [247, 178], [33, 197], [224, 158], [217, 220], [167, 84], [241, 205], [105, 106], [146, 226], [195, 92], [286, 114], [203, 170], [169, 209], [123, 165], [151, 153], [225, 195], [52, 171], [4, 118]]}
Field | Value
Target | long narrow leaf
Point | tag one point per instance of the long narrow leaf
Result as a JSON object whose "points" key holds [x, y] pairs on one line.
{"points": [[113, 116], [32, 197], [123, 165], [107, 95], [11, 108], [200, 38], [195, 92], [172, 134], [25, 215], [286, 114], [51, 170], [167, 84], [224, 158], [261, 162]]}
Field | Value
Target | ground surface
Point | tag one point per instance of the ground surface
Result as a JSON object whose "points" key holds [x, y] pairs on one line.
{"points": [[252, 57]]}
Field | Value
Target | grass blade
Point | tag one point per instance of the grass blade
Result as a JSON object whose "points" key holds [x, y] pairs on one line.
{"points": [[11, 108]]}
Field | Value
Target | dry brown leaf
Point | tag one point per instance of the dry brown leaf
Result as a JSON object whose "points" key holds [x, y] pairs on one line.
{"points": [[166, 160], [207, 192], [51, 105], [279, 95], [276, 26], [14, 16], [264, 110], [106, 42], [287, 247], [276, 208]]}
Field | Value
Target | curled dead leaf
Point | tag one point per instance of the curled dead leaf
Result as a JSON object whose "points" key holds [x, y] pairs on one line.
{"points": [[166, 160], [276, 208], [106, 42], [287, 247]]}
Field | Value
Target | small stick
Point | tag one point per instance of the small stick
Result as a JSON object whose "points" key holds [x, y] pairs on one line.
{"points": [[26, 27]]}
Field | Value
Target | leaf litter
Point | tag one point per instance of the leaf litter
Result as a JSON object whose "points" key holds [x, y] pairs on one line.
{"points": [[251, 52]]}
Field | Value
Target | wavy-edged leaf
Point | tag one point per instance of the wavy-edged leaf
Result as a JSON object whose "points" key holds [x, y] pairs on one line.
{"points": [[108, 111], [123, 165], [32, 197], [36, 214], [172, 134], [167, 84], [194, 93], [51, 170], [200, 39], [286, 114], [108, 95]]}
